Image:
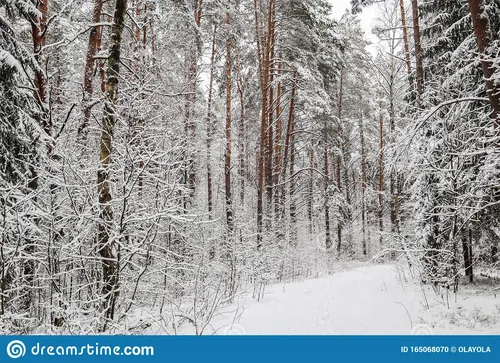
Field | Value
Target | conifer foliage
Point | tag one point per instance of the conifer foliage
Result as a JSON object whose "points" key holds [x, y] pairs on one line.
{"points": [[158, 158]]}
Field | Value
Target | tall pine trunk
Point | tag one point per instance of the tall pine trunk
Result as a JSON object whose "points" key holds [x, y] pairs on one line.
{"points": [[270, 109], [210, 127], [363, 182], [190, 123], [278, 195], [241, 133], [310, 192], [89, 69], [39, 36], [328, 238], [290, 145], [481, 30], [406, 45], [227, 163], [339, 157], [418, 49], [229, 255], [266, 152]]}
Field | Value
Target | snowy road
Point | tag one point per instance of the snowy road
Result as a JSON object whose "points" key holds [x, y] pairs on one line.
{"points": [[366, 300]]}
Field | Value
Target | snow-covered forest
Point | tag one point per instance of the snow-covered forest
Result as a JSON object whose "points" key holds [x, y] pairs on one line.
{"points": [[165, 161]]}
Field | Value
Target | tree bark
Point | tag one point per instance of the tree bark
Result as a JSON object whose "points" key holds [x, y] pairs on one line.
{"points": [[339, 178], [418, 49], [290, 143], [328, 238], [270, 108], [258, 40], [39, 34], [229, 256], [241, 133], [310, 191], [481, 29], [467, 253], [265, 168], [406, 45], [190, 124], [210, 127], [139, 121], [89, 69], [363, 183], [227, 164], [107, 247], [278, 197], [290, 123], [102, 71]]}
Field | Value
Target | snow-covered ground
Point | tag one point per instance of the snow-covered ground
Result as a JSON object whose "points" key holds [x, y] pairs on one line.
{"points": [[375, 299], [366, 299]]}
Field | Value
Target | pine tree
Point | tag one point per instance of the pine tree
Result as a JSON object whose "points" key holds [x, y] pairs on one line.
{"points": [[20, 133], [454, 144]]}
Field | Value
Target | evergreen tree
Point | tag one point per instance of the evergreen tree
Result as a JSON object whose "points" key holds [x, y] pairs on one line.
{"points": [[19, 157]]}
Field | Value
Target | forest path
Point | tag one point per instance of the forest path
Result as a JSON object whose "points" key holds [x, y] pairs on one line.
{"points": [[365, 300]]}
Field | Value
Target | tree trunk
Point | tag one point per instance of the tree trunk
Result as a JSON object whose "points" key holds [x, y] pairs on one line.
{"points": [[310, 191], [198, 12], [406, 45], [241, 133], [339, 178], [494, 252], [393, 183], [39, 34], [102, 72], [259, 40], [418, 49], [227, 164], [363, 183], [290, 124], [138, 121], [262, 157], [290, 143], [467, 253], [210, 128], [328, 238], [107, 247], [190, 123], [481, 28], [89, 69], [270, 107], [265, 168], [278, 197]]}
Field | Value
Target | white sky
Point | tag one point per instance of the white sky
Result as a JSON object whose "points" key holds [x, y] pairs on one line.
{"points": [[367, 17]]}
